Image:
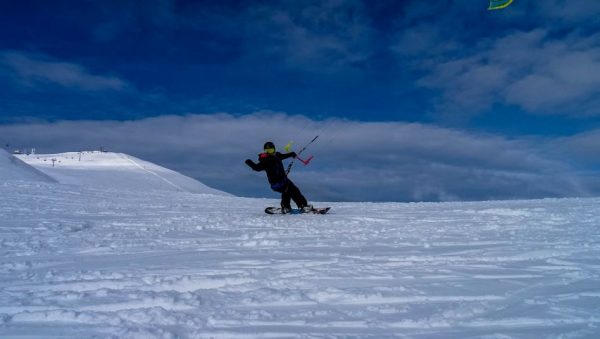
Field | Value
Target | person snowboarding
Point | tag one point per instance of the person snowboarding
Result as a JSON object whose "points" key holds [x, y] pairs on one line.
{"points": [[270, 161]]}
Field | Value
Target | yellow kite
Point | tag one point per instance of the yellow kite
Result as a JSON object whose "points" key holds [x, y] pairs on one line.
{"points": [[499, 4]]}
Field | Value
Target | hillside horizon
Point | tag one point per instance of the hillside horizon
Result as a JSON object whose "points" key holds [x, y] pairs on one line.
{"points": [[112, 170]]}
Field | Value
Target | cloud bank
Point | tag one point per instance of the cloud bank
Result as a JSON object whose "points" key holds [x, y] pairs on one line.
{"points": [[354, 161]]}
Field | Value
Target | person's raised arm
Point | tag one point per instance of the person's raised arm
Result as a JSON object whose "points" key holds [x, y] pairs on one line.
{"points": [[287, 155], [257, 167]]}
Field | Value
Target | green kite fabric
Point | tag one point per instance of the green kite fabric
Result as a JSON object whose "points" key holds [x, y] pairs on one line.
{"points": [[499, 4]]}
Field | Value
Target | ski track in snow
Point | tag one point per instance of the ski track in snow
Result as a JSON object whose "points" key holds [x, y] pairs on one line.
{"points": [[142, 168], [94, 263]]}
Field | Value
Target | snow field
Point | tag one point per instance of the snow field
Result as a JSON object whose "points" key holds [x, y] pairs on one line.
{"points": [[89, 262]]}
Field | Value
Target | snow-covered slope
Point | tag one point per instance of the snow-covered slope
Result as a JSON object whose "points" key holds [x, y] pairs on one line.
{"points": [[12, 168], [79, 262], [113, 171]]}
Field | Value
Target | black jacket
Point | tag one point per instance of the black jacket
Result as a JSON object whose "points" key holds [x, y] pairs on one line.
{"points": [[273, 165]]}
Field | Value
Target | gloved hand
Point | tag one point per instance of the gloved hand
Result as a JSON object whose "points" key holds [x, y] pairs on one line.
{"points": [[293, 154], [249, 162]]}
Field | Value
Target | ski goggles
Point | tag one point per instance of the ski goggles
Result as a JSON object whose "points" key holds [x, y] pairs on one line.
{"points": [[269, 150]]}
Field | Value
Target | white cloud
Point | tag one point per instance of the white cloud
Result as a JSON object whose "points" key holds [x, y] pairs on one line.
{"points": [[528, 69], [564, 76], [353, 160], [32, 70]]}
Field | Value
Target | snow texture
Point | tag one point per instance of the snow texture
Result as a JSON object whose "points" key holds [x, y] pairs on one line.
{"points": [[81, 261]]}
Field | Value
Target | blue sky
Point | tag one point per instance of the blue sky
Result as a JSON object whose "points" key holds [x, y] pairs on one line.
{"points": [[518, 89]]}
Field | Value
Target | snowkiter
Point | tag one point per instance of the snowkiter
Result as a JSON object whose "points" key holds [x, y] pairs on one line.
{"points": [[270, 161]]}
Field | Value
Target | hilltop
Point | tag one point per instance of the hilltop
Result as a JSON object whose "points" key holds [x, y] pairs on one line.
{"points": [[113, 171]]}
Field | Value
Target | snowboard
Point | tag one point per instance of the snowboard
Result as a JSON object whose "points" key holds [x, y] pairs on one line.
{"points": [[315, 210]]}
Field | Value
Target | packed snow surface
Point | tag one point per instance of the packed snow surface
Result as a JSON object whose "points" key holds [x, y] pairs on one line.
{"points": [[101, 262]]}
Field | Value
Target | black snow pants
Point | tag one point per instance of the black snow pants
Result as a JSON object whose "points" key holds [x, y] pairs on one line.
{"points": [[289, 192]]}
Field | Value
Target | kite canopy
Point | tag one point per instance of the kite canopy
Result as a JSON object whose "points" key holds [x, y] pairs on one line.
{"points": [[499, 4]]}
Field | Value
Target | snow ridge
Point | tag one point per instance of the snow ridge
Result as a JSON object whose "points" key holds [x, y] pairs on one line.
{"points": [[116, 171], [11, 168]]}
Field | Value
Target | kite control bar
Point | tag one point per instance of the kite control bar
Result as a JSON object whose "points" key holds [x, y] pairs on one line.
{"points": [[289, 168]]}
